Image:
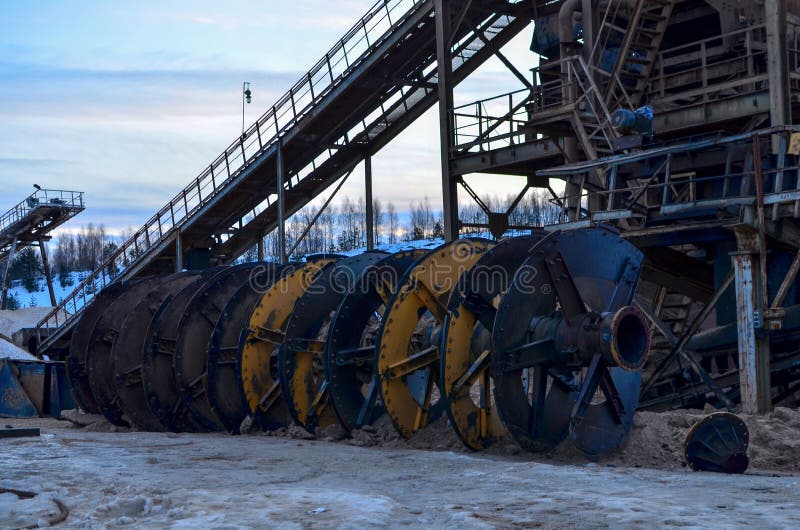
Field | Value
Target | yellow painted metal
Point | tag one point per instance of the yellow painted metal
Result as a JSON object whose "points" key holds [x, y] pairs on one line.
{"points": [[467, 382], [265, 334], [424, 293]]}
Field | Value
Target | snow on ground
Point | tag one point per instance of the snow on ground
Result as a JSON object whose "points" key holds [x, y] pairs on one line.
{"points": [[214, 480], [41, 297]]}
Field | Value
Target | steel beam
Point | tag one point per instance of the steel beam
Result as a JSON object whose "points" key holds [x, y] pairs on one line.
{"points": [[777, 62], [178, 252], [281, 207], [442, 9], [754, 374], [47, 275], [370, 219], [6, 270]]}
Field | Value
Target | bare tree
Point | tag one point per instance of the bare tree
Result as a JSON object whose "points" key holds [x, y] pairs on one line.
{"points": [[393, 222]]}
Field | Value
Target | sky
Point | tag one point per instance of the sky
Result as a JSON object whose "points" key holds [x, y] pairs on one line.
{"points": [[129, 101]]}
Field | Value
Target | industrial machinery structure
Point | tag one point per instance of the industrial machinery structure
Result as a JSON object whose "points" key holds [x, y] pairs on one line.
{"points": [[29, 223], [662, 130]]}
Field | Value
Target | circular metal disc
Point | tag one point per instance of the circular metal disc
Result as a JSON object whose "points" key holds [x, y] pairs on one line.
{"points": [[536, 403], [300, 358], [261, 340], [350, 348], [77, 372], [194, 331], [99, 362], [408, 364], [718, 443], [466, 363], [224, 381], [129, 349], [160, 383]]}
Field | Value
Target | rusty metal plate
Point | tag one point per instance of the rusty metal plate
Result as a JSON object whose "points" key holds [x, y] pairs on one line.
{"points": [[158, 371], [99, 362], [194, 332], [129, 349], [224, 380]]}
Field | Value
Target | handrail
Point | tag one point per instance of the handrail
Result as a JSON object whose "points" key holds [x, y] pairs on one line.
{"points": [[327, 73], [60, 198]]}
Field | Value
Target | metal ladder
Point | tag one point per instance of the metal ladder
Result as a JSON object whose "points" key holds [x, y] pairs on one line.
{"points": [[625, 84]]}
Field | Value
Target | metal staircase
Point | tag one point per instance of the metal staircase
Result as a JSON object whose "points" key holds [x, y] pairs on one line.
{"points": [[376, 80], [638, 42], [580, 107]]}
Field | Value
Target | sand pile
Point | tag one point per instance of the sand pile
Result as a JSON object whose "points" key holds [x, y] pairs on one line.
{"points": [[13, 321], [657, 440], [12, 351]]}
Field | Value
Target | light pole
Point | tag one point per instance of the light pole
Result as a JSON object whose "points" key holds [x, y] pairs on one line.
{"points": [[247, 96]]}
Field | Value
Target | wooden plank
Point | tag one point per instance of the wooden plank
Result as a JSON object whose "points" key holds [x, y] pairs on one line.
{"points": [[19, 432]]}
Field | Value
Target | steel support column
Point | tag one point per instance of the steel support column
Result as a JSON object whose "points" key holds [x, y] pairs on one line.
{"points": [[260, 248], [370, 217], [778, 62], [178, 252], [47, 274], [444, 58], [281, 206], [6, 270], [754, 366]]}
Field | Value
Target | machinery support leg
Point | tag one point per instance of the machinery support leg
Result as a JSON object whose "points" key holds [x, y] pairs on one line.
{"points": [[47, 274], [777, 57], [281, 208], [444, 59], [178, 253], [6, 270], [754, 369], [370, 217]]}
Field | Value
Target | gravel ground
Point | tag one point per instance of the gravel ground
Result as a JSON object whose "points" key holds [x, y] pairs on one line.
{"points": [[155, 480]]}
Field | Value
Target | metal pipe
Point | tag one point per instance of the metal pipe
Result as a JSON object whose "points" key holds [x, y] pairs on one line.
{"points": [[566, 36]]}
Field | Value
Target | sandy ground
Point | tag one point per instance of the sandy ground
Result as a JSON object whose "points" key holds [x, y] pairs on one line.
{"points": [[118, 479]]}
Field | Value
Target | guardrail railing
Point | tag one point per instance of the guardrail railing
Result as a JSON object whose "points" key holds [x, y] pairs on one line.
{"points": [[62, 198], [368, 33]]}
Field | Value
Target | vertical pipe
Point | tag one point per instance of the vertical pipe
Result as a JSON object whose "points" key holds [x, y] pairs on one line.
{"points": [[7, 268], [281, 209], [445, 75], [369, 214], [754, 376], [47, 274]]}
